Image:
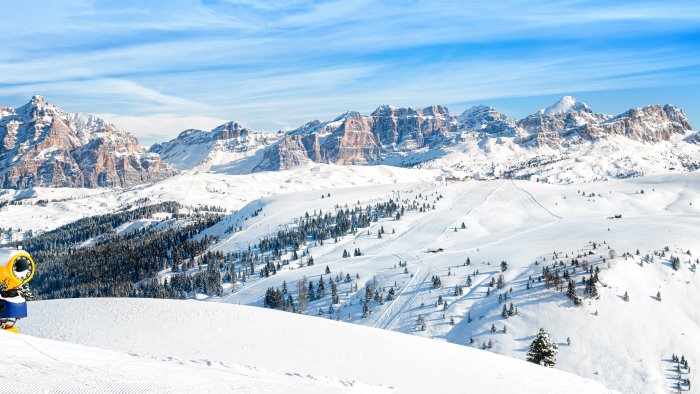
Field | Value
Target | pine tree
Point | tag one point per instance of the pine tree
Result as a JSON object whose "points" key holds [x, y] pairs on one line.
{"points": [[312, 293], [501, 281], [626, 297], [504, 266], [542, 350], [365, 310], [493, 328], [571, 293], [658, 296], [504, 312]]}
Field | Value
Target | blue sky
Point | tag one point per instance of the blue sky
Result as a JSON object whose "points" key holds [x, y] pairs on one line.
{"points": [[156, 68]]}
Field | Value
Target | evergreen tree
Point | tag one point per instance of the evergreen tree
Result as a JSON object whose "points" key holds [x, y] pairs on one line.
{"points": [[311, 294], [571, 293], [542, 350], [334, 294], [501, 281]]}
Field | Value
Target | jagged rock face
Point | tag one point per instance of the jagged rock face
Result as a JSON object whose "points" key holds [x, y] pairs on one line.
{"points": [[287, 153], [193, 147], [547, 130], [649, 124], [353, 143], [358, 139], [479, 117], [410, 127], [44, 146], [353, 138], [488, 120]]}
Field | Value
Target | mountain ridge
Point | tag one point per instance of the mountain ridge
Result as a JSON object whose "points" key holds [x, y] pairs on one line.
{"points": [[42, 145], [413, 136]]}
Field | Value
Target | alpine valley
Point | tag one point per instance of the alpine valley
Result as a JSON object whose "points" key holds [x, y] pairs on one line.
{"points": [[406, 250]]}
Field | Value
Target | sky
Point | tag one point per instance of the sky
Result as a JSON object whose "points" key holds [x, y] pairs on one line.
{"points": [[156, 68]]}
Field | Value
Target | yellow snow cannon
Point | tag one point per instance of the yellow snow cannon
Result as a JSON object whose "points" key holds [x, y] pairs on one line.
{"points": [[16, 270]]}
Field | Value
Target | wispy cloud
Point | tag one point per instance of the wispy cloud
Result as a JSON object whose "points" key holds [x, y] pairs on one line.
{"points": [[277, 64]]}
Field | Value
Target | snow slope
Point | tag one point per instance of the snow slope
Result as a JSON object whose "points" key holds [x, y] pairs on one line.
{"points": [[181, 339], [65, 205], [625, 345], [523, 223], [40, 366]]}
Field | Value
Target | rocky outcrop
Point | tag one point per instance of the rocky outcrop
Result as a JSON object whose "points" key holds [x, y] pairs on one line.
{"points": [[41, 145], [353, 138], [287, 153], [199, 149], [652, 123]]}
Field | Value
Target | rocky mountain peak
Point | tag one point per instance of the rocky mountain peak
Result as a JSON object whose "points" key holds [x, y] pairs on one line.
{"points": [[564, 105], [479, 117], [42, 145]]}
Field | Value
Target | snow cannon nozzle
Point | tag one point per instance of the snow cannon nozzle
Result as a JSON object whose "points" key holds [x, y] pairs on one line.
{"points": [[16, 270]]}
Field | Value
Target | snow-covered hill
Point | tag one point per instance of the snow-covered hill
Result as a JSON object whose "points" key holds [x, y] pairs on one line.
{"points": [[187, 346], [41, 366], [41, 209], [624, 344], [541, 231]]}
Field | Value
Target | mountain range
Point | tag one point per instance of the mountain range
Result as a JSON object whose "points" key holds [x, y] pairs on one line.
{"points": [[566, 142], [42, 145]]}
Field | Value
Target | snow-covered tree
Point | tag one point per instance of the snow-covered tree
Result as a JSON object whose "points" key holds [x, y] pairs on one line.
{"points": [[543, 351]]}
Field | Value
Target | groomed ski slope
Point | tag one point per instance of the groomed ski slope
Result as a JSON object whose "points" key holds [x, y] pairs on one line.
{"points": [[190, 346]]}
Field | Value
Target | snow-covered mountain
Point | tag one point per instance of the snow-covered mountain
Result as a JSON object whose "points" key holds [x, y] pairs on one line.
{"points": [[566, 142], [44, 146], [359, 139], [564, 105], [226, 148], [236, 348]]}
